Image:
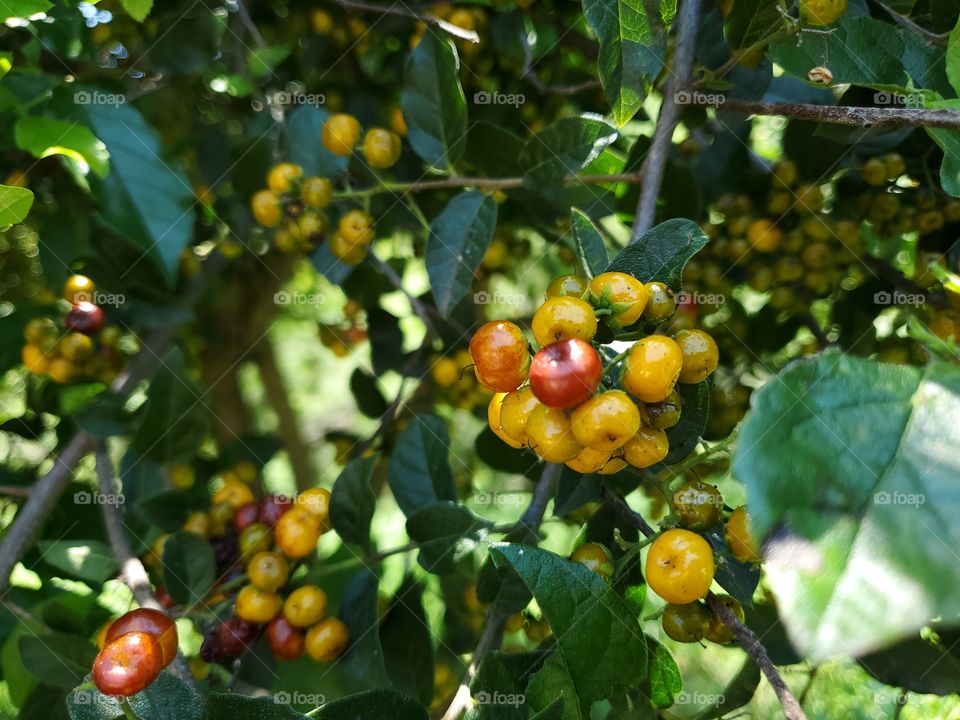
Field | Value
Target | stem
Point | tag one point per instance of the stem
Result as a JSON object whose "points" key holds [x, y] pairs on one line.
{"points": [[614, 361], [128, 712], [717, 447], [404, 11], [635, 518], [418, 307]]}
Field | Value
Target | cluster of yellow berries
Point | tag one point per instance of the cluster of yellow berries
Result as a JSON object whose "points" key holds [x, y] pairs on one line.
{"points": [[553, 402], [455, 387]]}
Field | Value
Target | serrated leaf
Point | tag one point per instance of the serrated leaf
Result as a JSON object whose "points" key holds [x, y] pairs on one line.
{"points": [[433, 103], [853, 463], [138, 9], [15, 204], [459, 237], [232, 706], [419, 472], [591, 249], [374, 704], [352, 502], [446, 532], [663, 679], [43, 137], [563, 149], [168, 698], [90, 560], [662, 252], [58, 659], [189, 567], [751, 21]]}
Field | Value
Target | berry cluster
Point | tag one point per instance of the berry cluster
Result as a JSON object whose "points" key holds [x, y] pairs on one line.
{"points": [[294, 206], [80, 346], [455, 387], [133, 650], [564, 401]]}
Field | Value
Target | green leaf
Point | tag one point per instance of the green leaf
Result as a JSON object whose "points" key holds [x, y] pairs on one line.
{"points": [[662, 252], [663, 678], [953, 58], [751, 21], [189, 567], [684, 436], [740, 579], [564, 148], [554, 711], [370, 401], [738, 693], [23, 8], [632, 36], [232, 706], [43, 137], [86, 559], [374, 704], [919, 664], [352, 502], [360, 611], [591, 249], [447, 532], [575, 490], [302, 129], [15, 204], [407, 644], [168, 698], [949, 142], [433, 103], [419, 472], [855, 465], [600, 643], [459, 237], [499, 686], [138, 9], [57, 659], [105, 416], [262, 60]]}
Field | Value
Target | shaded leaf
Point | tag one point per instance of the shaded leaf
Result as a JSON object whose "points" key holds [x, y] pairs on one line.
{"points": [[419, 472], [564, 148], [352, 502], [662, 252]]}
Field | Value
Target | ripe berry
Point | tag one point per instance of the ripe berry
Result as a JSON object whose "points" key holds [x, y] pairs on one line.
{"points": [[316, 501], [340, 134], [572, 285], [700, 355], [255, 538], [234, 637], [697, 505], [596, 558], [622, 293], [566, 373], [152, 622], [245, 516], [267, 208], [78, 288], [660, 301], [515, 413], [494, 420], [345, 251], [221, 516], [563, 318], [257, 606], [272, 508], [128, 665], [233, 492], [739, 540], [500, 356], [40, 331], [286, 641], [34, 360], [648, 447], [764, 236], [182, 477], [268, 571], [316, 192], [356, 227], [86, 318], [686, 623], [305, 606], [550, 435], [327, 640], [652, 368], [445, 372], [198, 523], [717, 630], [680, 566], [283, 176], [62, 371], [397, 122], [589, 461], [297, 532], [606, 422], [664, 414], [381, 148], [822, 12]]}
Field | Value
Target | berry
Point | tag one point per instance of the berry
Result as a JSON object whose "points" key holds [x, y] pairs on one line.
{"points": [[397, 123], [255, 538], [622, 293], [445, 372], [272, 508], [327, 640], [822, 12], [316, 501], [128, 665], [268, 571], [550, 435], [297, 532], [78, 288], [661, 303], [340, 134], [245, 516], [316, 192], [764, 236], [589, 461], [874, 172], [515, 412], [686, 623], [233, 492], [648, 447], [198, 523], [606, 422], [494, 420], [234, 637], [221, 516], [283, 176], [345, 251], [500, 356], [41, 331], [717, 630], [256, 605], [182, 477], [563, 318], [739, 540], [572, 285], [62, 370], [680, 566], [244, 472], [596, 558], [286, 641], [356, 227], [665, 414], [697, 505], [34, 360], [652, 368], [381, 148], [267, 208], [305, 606], [152, 622], [700, 355], [86, 318], [566, 373]]}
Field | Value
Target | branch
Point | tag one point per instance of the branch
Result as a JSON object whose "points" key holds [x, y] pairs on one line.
{"points": [[403, 11], [656, 162], [419, 308], [748, 640], [132, 572], [249, 24], [635, 518], [904, 21]]}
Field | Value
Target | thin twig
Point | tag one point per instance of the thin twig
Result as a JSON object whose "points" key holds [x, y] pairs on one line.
{"points": [[419, 308], [533, 77], [748, 640], [655, 164], [403, 11], [635, 518], [249, 24], [905, 22], [15, 491]]}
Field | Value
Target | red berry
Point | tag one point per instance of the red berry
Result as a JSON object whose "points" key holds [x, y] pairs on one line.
{"points": [[152, 622], [128, 664], [500, 356], [286, 641], [234, 637], [566, 373], [272, 509], [245, 516], [86, 318]]}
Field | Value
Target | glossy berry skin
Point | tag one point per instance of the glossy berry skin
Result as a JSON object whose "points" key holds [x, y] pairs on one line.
{"points": [[605, 422], [234, 493], [664, 414], [661, 302], [245, 516], [128, 665], [234, 637], [86, 318], [257, 606], [255, 538], [316, 192], [297, 533], [515, 413], [316, 501], [340, 134], [327, 640], [267, 208], [686, 623], [283, 176], [680, 566], [648, 447], [550, 436], [305, 606], [596, 558], [697, 505], [152, 622], [739, 540], [566, 373], [622, 293], [589, 461], [381, 148], [78, 288], [822, 12], [652, 368], [500, 356], [764, 236], [268, 571], [494, 415], [700, 355], [356, 227], [563, 318], [572, 285], [272, 508], [286, 641], [346, 252], [717, 631]]}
